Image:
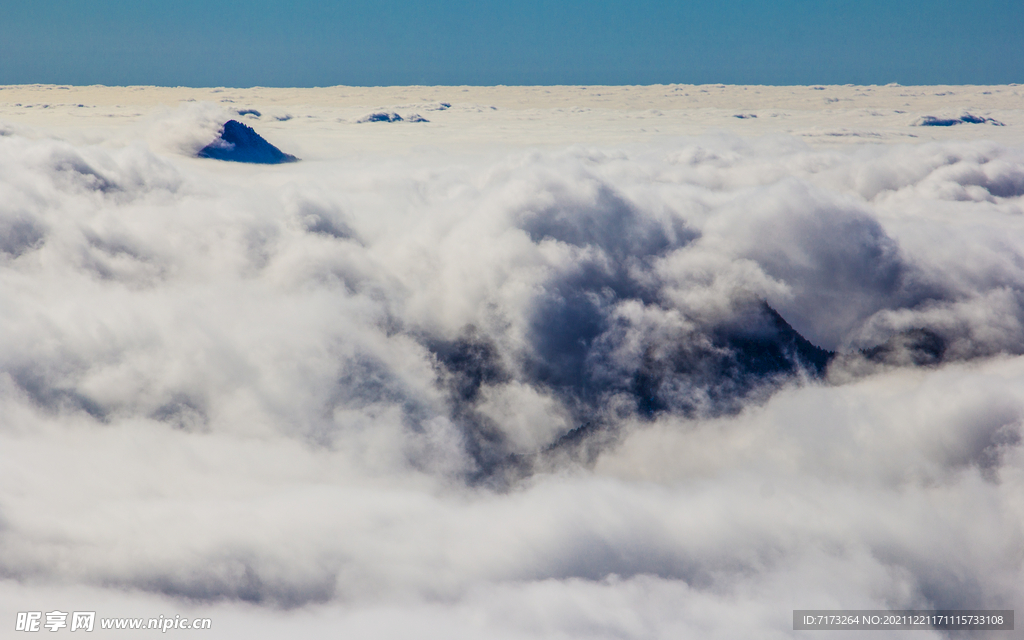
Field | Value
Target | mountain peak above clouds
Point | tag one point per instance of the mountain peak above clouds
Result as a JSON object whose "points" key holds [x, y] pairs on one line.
{"points": [[240, 143]]}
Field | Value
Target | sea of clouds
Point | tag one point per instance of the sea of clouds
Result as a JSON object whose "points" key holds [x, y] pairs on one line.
{"points": [[664, 390]]}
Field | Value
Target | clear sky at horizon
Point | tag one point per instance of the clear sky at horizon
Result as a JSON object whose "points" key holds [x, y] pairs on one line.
{"points": [[486, 42]]}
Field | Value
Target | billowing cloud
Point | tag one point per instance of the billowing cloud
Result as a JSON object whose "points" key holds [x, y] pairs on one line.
{"points": [[579, 393]]}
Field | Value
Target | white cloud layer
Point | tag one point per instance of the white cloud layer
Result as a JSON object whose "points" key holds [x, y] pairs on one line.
{"points": [[532, 394]]}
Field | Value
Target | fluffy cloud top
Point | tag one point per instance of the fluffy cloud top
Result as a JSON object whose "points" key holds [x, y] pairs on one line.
{"points": [[579, 393]]}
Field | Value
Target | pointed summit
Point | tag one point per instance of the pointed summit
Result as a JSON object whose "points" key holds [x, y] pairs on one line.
{"points": [[240, 143]]}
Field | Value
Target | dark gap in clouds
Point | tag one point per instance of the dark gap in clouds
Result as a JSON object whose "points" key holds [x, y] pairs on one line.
{"points": [[999, 178], [1005, 186], [20, 233], [620, 242], [55, 397], [260, 244], [565, 323], [574, 338], [715, 371], [992, 449], [240, 579], [114, 246], [465, 365], [80, 172], [117, 257], [916, 347], [364, 381], [367, 384], [718, 370], [469, 361], [324, 221], [582, 444], [495, 466], [591, 555], [185, 412], [942, 588], [987, 436], [321, 215]]}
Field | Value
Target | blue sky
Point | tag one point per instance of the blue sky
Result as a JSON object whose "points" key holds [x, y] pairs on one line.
{"points": [[389, 42]]}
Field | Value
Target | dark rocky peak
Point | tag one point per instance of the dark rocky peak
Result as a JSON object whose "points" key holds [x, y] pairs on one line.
{"points": [[240, 143]]}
